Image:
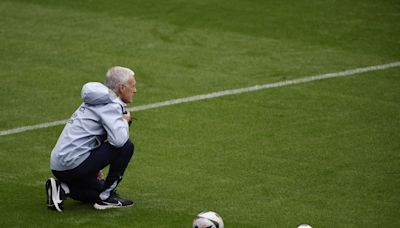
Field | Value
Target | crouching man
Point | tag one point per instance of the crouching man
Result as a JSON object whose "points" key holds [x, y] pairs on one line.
{"points": [[96, 136]]}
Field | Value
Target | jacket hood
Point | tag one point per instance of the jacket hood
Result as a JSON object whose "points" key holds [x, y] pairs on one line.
{"points": [[95, 93]]}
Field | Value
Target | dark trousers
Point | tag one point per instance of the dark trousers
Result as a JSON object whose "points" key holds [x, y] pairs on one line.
{"points": [[82, 180]]}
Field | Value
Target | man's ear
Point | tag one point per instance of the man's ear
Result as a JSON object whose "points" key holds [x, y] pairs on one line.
{"points": [[120, 88]]}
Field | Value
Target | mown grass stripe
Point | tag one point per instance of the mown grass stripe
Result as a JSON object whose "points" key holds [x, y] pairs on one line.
{"points": [[220, 94]]}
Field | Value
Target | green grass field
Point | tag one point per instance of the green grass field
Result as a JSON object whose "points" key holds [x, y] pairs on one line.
{"points": [[325, 153]]}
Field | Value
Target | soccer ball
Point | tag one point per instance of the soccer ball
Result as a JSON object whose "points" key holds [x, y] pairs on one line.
{"points": [[304, 226], [208, 219]]}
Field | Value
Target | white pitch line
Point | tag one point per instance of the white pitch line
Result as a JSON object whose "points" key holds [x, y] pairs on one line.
{"points": [[220, 94]]}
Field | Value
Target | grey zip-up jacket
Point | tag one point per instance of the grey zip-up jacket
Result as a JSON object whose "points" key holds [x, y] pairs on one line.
{"points": [[99, 117]]}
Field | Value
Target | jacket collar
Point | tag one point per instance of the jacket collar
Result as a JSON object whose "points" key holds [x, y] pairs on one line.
{"points": [[114, 98]]}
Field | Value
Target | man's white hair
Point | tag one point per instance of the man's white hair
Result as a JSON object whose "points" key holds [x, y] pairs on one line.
{"points": [[116, 76]]}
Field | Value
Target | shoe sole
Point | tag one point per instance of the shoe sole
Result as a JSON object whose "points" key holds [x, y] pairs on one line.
{"points": [[49, 201], [55, 194], [104, 207]]}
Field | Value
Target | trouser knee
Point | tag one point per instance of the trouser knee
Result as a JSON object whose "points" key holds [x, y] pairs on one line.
{"points": [[128, 148]]}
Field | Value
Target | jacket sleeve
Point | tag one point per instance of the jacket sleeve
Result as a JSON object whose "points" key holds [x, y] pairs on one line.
{"points": [[116, 126]]}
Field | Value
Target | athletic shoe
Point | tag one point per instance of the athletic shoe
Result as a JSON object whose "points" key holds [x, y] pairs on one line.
{"points": [[114, 201], [55, 195]]}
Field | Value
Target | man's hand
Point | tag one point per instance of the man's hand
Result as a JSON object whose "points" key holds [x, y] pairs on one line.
{"points": [[100, 175], [127, 116]]}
